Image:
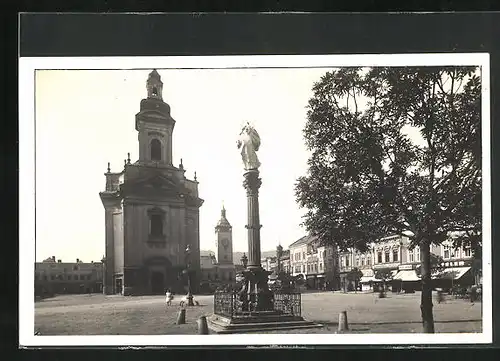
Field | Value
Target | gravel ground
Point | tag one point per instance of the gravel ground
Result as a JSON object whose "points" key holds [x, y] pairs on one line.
{"points": [[148, 315]]}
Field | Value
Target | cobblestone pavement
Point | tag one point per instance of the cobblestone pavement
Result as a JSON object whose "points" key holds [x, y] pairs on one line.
{"points": [[148, 315]]}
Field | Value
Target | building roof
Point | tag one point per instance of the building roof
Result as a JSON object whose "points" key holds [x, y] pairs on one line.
{"points": [[302, 241], [207, 253]]}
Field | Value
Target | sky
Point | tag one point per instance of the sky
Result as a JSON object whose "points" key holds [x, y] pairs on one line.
{"points": [[85, 119]]}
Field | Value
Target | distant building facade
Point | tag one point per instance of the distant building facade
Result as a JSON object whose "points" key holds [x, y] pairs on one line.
{"points": [[57, 277], [218, 268], [151, 209], [315, 262], [393, 256]]}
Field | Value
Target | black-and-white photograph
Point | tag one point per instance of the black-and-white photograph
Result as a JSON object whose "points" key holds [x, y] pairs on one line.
{"points": [[324, 199]]}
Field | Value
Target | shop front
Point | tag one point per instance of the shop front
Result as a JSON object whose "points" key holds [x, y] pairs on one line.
{"points": [[368, 280], [406, 279]]}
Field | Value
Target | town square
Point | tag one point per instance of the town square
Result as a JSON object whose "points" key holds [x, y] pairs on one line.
{"points": [[148, 315], [349, 202]]}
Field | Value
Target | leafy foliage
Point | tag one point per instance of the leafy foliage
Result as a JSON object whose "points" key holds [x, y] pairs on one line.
{"points": [[395, 151], [436, 265]]}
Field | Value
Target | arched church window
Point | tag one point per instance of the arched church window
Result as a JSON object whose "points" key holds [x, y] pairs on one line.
{"points": [[156, 225], [155, 149]]}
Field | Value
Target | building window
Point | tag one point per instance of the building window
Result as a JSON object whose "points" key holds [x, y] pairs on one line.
{"points": [[45, 277], [156, 225], [417, 254], [362, 261], [209, 276], [467, 252], [82, 277], [324, 254], [411, 257], [321, 266], [303, 268], [368, 261], [342, 262], [75, 268], [303, 255], [347, 261], [89, 277], [379, 257], [155, 149], [69, 277], [387, 255], [395, 254], [446, 253]]}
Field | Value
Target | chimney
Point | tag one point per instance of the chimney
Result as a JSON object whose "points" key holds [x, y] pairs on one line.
{"points": [[78, 260], [58, 261], [54, 258]]}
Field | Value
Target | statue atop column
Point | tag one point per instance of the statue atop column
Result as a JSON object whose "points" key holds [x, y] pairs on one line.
{"points": [[249, 143]]}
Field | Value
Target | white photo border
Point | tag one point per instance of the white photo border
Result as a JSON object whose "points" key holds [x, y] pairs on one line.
{"points": [[27, 68]]}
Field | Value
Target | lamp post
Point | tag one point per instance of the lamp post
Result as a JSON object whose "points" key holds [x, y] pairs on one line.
{"points": [[279, 254], [104, 283], [189, 295]]}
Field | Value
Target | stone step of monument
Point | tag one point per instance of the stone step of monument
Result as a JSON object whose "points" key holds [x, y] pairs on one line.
{"points": [[220, 324], [260, 327]]}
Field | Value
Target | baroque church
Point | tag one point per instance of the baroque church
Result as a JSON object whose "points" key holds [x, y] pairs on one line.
{"points": [[151, 210]]}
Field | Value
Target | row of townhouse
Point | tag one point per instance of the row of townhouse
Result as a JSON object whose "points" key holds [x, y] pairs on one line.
{"points": [[326, 267], [56, 277], [316, 263], [393, 258]]}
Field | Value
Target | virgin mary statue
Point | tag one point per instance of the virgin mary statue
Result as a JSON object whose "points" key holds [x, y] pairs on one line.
{"points": [[249, 143]]}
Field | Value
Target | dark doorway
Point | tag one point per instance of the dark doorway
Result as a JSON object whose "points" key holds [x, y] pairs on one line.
{"points": [[118, 285], [157, 283]]}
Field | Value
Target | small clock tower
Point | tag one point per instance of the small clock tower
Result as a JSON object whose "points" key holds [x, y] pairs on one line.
{"points": [[224, 240]]}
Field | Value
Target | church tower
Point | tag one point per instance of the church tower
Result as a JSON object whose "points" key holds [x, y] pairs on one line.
{"points": [[151, 210], [224, 240], [155, 125]]}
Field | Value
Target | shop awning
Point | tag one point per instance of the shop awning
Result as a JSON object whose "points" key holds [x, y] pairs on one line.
{"points": [[407, 276], [367, 279], [453, 273]]}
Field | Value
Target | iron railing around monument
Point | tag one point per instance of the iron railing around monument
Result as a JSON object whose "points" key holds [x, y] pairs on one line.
{"points": [[229, 303]]}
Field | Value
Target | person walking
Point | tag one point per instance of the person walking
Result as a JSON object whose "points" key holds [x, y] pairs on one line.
{"points": [[168, 297]]}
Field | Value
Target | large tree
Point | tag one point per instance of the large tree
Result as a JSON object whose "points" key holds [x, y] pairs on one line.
{"points": [[394, 151]]}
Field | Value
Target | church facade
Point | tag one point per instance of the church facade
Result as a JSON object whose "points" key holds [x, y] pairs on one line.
{"points": [[151, 210]]}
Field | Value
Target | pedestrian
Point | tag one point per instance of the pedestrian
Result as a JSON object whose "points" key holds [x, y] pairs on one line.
{"points": [[473, 294], [168, 297], [439, 295]]}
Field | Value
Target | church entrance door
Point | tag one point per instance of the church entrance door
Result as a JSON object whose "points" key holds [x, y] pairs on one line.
{"points": [[157, 283]]}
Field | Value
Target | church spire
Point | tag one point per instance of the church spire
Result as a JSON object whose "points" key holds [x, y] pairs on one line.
{"points": [[154, 85], [223, 223]]}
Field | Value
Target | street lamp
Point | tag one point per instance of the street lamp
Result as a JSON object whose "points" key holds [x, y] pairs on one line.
{"points": [[104, 283], [244, 260], [279, 254], [189, 295]]}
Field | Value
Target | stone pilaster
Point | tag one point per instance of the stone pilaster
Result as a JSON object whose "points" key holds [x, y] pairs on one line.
{"points": [[109, 266]]}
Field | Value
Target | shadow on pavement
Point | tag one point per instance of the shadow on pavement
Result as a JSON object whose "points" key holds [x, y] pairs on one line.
{"points": [[329, 323]]}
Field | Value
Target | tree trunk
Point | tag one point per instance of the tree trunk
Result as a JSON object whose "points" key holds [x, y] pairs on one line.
{"points": [[426, 296]]}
